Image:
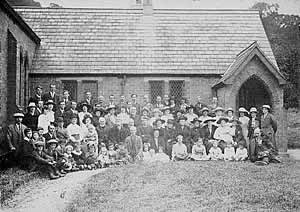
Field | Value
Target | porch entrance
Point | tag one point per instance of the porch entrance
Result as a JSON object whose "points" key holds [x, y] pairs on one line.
{"points": [[253, 93]]}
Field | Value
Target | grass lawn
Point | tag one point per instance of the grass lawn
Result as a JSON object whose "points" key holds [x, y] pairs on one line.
{"points": [[14, 178], [193, 186]]}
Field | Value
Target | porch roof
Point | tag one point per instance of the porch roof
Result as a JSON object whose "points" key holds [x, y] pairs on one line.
{"points": [[127, 41]]}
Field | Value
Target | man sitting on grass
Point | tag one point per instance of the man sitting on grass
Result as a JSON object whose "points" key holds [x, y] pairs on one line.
{"points": [[264, 150]]}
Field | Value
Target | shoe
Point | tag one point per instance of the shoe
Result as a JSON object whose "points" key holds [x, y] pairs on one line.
{"points": [[74, 169], [63, 172], [275, 160], [260, 163], [53, 176]]}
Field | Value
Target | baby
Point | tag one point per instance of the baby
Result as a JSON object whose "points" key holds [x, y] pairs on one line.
{"points": [[229, 152], [215, 153], [70, 164], [161, 156], [199, 151], [241, 153]]}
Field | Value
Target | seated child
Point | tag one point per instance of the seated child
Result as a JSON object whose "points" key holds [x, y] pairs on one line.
{"points": [[199, 151], [112, 154], [215, 152], [35, 136], [91, 136], [241, 153], [229, 152], [57, 156], [122, 154], [179, 150], [103, 158], [79, 156], [161, 156], [146, 154], [91, 156], [70, 164], [41, 133]]}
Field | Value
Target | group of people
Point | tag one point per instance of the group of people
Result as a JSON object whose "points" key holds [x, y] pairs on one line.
{"points": [[59, 135]]}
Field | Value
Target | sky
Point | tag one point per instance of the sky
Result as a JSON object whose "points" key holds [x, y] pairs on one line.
{"points": [[286, 6]]}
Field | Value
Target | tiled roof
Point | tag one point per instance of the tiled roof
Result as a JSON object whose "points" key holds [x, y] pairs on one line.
{"points": [[127, 41]]}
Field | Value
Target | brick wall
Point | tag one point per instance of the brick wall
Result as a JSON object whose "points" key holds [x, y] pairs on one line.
{"points": [[194, 86], [24, 45]]}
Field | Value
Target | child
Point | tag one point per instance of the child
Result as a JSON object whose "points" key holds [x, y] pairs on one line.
{"points": [[161, 156], [112, 154], [57, 156], [241, 153], [41, 133], [103, 158], [179, 150], [91, 156], [122, 154], [146, 154], [79, 156], [35, 136], [199, 151], [215, 153], [229, 152], [70, 164], [92, 135]]}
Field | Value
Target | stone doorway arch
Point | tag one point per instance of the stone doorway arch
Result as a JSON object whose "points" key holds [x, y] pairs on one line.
{"points": [[254, 93]]}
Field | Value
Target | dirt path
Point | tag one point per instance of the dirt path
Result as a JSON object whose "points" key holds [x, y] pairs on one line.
{"points": [[51, 195]]}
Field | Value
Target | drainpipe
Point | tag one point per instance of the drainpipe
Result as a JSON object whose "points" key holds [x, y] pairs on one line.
{"points": [[123, 83]]}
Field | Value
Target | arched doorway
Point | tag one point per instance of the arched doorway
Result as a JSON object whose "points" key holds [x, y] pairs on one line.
{"points": [[254, 93]]}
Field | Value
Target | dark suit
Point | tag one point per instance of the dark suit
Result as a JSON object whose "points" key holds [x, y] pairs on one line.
{"points": [[170, 138], [160, 142], [134, 146], [69, 115], [31, 121], [145, 132], [269, 128], [197, 132], [59, 113], [35, 99], [90, 102], [49, 136], [48, 96], [15, 137], [208, 135], [252, 128], [116, 135]]}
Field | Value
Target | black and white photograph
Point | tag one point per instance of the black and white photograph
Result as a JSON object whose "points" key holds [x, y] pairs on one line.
{"points": [[149, 105]]}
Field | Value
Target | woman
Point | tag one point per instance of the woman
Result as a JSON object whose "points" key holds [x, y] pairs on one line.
{"points": [[224, 133], [229, 113], [85, 108], [244, 124], [254, 122]]}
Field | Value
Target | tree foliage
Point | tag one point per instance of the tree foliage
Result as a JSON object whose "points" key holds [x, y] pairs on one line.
{"points": [[283, 32], [24, 3]]}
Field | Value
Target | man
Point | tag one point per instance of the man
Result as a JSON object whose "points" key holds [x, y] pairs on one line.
{"points": [[101, 103], [122, 103], [51, 95], [38, 95], [262, 150], [15, 136], [166, 100], [40, 107], [67, 100], [60, 112], [185, 131], [115, 134], [146, 103], [199, 106], [158, 103], [31, 117], [157, 140], [170, 136], [135, 104], [71, 112], [134, 145], [269, 125], [134, 115], [51, 134], [144, 131], [111, 101], [88, 101], [254, 122]]}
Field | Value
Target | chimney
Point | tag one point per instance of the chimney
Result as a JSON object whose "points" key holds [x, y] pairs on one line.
{"points": [[148, 7]]}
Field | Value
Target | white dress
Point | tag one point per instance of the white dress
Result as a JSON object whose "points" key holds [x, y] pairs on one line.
{"points": [[229, 153]]}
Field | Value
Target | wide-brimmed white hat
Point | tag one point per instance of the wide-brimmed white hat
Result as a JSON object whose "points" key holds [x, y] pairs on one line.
{"points": [[253, 110], [31, 104], [18, 114], [243, 110], [267, 107]]}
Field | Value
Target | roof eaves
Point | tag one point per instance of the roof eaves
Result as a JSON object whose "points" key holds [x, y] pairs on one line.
{"points": [[17, 18]]}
